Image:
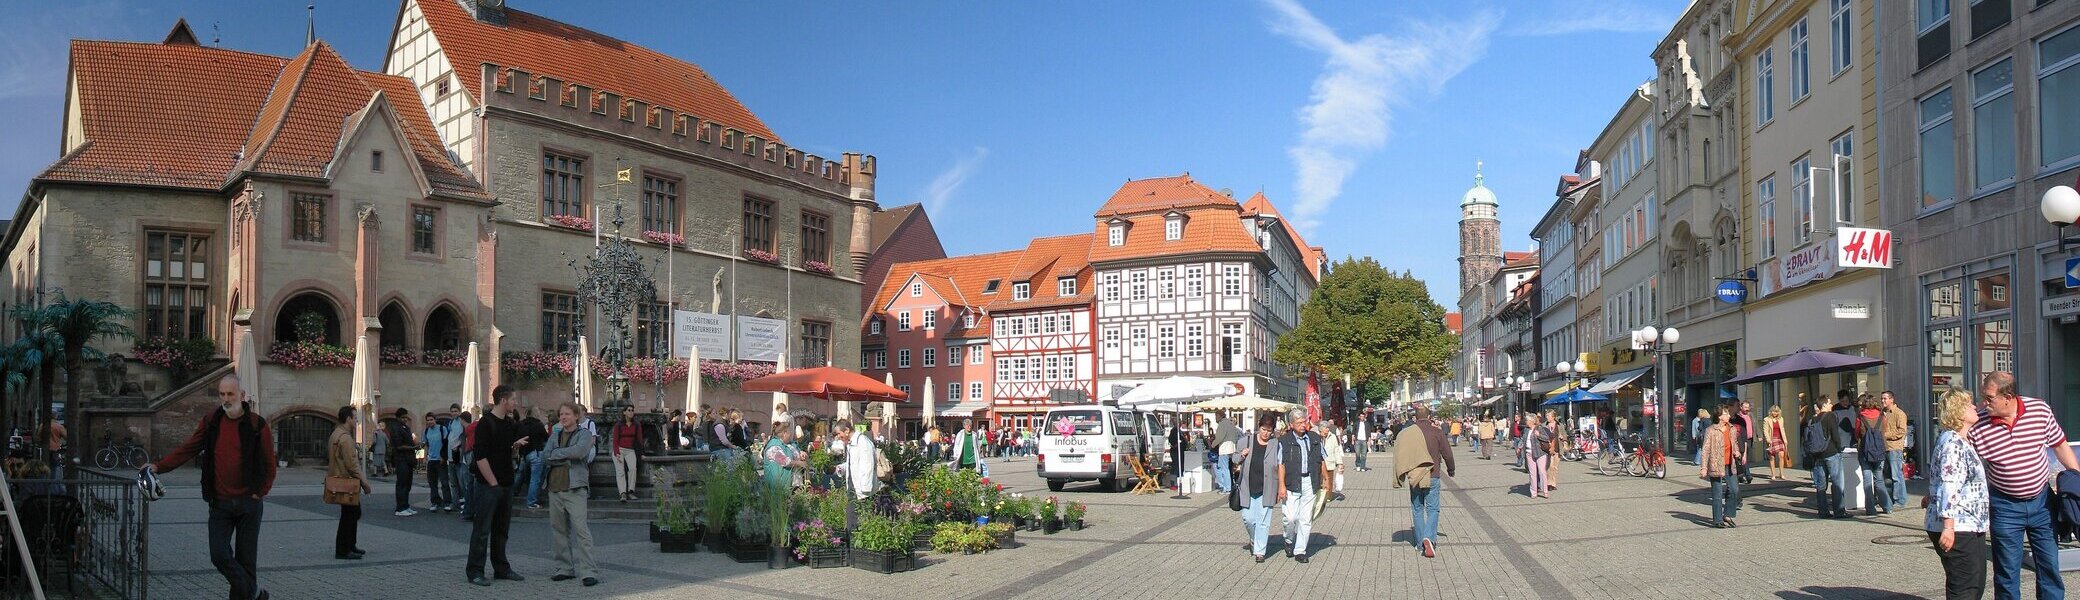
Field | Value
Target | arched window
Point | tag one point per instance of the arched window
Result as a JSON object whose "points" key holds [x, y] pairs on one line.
{"points": [[443, 329], [309, 317], [396, 326]]}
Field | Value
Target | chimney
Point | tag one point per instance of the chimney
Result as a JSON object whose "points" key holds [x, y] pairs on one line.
{"points": [[488, 11]]}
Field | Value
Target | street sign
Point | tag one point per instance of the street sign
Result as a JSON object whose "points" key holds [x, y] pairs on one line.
{"points": [[1865, 248], [1731, 292], [2073, 273]]}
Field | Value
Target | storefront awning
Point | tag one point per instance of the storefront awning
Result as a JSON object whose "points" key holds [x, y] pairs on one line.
{"points": [[1618, 381], [1541, 389], [1490, 400], [962, 410]]}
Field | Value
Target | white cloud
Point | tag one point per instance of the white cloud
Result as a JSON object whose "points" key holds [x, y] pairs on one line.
{"points": [[1602, 16], [1363, 81], [949, 181]]}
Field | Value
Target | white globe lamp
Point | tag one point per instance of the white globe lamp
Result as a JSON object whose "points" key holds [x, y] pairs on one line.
{"points": [[2061, 205]]}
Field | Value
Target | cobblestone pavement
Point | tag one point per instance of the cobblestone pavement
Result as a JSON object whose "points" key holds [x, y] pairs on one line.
{"points": [[1599, 537]]}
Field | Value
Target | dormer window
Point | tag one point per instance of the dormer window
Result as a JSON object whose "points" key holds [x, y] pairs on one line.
{"points": [[1065, 286], [991, 286], [1021, 291], [1116, 235], [1173, 228], [874, 327], [968, 321]]}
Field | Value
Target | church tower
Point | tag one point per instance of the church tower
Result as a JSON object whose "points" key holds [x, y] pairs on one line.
{"points": [[1480, 235]]}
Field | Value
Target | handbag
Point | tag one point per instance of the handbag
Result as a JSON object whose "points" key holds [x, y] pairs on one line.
{"points": [[342, 491]]}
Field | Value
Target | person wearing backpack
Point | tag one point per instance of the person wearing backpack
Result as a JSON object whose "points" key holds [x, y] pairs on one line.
{"points": [[1870, 456], [1816, 442], [1841, 427], [568, 454]]}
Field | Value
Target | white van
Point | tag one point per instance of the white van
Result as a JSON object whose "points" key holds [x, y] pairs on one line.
{"points": [[1091, 442]]}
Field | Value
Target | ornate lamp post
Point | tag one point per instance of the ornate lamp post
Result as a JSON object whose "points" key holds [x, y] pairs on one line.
{"points": [[1657, 344], [614, 282]]}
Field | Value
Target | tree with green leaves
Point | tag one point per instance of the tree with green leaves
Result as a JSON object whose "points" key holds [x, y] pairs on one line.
{"points": [[1372, 324], [73, 326]]}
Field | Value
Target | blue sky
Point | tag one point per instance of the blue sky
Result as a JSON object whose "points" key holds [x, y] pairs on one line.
{"points": [[1360, 120]]}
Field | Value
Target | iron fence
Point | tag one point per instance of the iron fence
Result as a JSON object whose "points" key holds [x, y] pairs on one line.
{"points": [[86, 536]]}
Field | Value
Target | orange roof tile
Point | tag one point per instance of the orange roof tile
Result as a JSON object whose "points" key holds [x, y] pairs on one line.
{"points": [[1044, 261], [1311, 255], [1519, 259], [284, 116], [573, 54], [1451, 322], [960, 279], [1161, 193], [1206, 229]]}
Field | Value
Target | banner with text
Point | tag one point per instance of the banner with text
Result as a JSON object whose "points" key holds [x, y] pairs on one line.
{"points": [[760, 339], [709, 331]]}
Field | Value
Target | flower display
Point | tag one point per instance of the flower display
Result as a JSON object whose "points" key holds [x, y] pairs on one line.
{"points": [[176, 354], [529, 366], [304, 355], [664, 237], [571, 222], [446, 359], [761, 256], [816, 266], [399, 355]]}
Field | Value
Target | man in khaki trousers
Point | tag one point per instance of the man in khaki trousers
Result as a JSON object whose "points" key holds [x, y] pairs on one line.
{"points": [[567, 455]]}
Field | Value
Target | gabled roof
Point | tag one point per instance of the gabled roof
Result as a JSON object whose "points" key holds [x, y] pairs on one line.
{"points": [[1160, 194], [1043, 263], [960, 279], [884, 223], [1259, 205], [1511, 260], [1206, 229], [228, 113], [576, 55], [1451, 322]]}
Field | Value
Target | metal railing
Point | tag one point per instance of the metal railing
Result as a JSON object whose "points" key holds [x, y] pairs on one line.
{"points": [[86, 535]]}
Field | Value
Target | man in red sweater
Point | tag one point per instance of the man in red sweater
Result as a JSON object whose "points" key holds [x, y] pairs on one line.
{"points": [[237, 460]]}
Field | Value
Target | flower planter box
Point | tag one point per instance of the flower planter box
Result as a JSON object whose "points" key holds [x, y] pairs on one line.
{"points": [[717, 542], [1008, 540], [922, 541], [883, 562], [825, 558], [748, 552], [653, 532], [1076, 525], [1051, 526], [678, 543]]}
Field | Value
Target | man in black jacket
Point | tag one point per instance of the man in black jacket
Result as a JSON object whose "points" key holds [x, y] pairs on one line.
{"points": [[491, 470], [403, 448], [235, 450], [1300, 471]]}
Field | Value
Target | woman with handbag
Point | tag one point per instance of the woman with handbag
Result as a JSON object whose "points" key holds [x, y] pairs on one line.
{"points": [[344, 485]]}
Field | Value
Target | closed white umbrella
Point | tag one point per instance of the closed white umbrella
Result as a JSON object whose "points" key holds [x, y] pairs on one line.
{"points": [[471, 389], [581, 374], [930, 414], [248, 366], [361, 395], [888, 411], [693, 381]]}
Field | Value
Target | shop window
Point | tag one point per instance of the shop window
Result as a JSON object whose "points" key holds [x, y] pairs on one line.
{"points": [[1990, 293]]}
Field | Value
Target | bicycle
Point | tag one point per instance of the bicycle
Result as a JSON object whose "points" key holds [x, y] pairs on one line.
{"points": [[1647, 459], [127, 454], [1615, 458]]}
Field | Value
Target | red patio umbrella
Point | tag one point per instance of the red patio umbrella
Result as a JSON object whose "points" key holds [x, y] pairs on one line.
{"points": [[828, 383]]}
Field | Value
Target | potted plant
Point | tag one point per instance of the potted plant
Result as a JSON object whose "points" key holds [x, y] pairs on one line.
{"points": [[677, 529], [976, 540], [882, 545], [779, 516], [1002, 535], [1051, 515], [948, 538], [1073, 516], [724, 491]]}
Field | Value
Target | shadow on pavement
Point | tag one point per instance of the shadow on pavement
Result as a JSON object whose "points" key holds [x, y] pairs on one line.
{"points": [[1815, 592]]}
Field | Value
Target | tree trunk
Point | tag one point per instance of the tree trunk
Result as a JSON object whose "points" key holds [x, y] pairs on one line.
{"points": [[72, 368]]}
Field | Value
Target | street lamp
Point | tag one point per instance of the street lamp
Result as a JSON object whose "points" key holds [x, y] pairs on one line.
{"points": [[1657, 343], [2061, 206]]}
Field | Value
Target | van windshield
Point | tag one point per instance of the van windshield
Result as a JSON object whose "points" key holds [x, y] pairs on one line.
{"points": [[1075, 422]]}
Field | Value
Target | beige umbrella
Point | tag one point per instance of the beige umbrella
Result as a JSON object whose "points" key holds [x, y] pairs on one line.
{"points": [[248, 366], [471, 389], [693, 381], [931, 412], [581, 374], [888, 412], [361, 395]]}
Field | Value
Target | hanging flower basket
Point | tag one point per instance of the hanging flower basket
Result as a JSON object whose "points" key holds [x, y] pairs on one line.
{"points": [[571, 222], [661, 237], [761, 256]]}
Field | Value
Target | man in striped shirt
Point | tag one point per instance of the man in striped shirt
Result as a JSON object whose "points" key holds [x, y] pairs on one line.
{"points": [[2012, 435]]}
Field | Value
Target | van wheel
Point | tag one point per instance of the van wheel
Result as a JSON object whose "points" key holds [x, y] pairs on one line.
{"points": [[1109, 484], [1055, 485]]}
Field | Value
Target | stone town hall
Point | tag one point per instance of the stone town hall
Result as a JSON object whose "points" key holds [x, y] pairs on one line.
{"points": [[435, 202]]}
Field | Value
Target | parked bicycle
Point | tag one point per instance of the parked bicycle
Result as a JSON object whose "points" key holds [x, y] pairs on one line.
{"points": [[1614, 457], [126, 454]]}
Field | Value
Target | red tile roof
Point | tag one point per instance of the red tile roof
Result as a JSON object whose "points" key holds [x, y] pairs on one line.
{"points": [[1311, 255], [1451, 322], [1159, 194], [1043, 263], [285, 117], [573, 54], [1519, 259], [960, 280]]}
